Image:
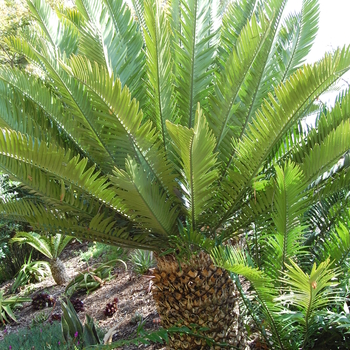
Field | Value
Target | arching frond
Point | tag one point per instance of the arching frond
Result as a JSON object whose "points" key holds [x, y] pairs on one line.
{"points": [[272, 121], [297, 36], [195, 149], [61, 35], [36, 241], [309, 292], [159, 67], [143, 201], [289, 204], [230, 84], [194, 58]]}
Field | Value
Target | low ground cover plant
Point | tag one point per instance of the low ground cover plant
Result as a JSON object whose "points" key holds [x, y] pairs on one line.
{"points": [[30, 272], [8, 304]]}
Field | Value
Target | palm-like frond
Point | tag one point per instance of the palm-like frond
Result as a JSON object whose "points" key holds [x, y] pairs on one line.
{"points": [[260, 79], [142, 201], [46, 106], [195, 148], [288, 206], [61, 35], [309, 292], [235, 17], [134, 66], [106, 229], [272, 122], [338, 141], [132, 137], [36, 241], [194, 57], [159, 67], [230, 84], [297, 38], [337, 246]]}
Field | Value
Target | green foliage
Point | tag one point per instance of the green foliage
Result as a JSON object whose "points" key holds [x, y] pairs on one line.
{"points": [[42, 337], [30, 272], [7, 303], [106, 252], [73, 330], [294, 290], [137, 128], [161, 336], [142, 261], [92, 278], [50, 246]]}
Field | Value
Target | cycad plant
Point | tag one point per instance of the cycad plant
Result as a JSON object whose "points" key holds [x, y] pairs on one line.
{"points": [[159, 129], [51, 247]]}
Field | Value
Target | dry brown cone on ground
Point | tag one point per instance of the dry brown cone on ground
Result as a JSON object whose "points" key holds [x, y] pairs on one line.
{"points": [[197, 293]]}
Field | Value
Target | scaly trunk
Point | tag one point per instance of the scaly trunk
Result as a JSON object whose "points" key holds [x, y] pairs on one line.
{"points": [[197, 293], [58, 271]]}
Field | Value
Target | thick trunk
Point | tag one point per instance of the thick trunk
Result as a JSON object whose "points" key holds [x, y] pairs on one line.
{"points": [[58, 271], [201, 294]]}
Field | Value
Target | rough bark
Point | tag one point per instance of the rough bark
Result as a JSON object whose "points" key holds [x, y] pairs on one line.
{"points": [[58, 271], [198, 293]]}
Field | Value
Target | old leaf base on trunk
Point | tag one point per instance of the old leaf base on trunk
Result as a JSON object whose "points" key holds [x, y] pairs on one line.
{"points": [[58, 271], [197, 293]]}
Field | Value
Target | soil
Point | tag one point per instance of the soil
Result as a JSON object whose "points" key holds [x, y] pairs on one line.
{"points": [[135, 301]]}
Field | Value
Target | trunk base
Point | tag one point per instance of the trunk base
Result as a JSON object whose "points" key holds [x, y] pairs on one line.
{"points": [[198, 295], [58, 271]]}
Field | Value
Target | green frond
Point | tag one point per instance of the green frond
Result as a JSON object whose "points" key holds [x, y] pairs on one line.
{"points": [[61, 35], [77, 101], [131, 136], [142, 201], [35, 240], [323, 156], [129, 32], [139, 8], [337, 245], [194, 58], [235, 17], [72, 15], [223, 106], [333, 184], [195, 148], [276, 116], [298, 36], [68, 198], [32, 109], [255, 89], [60, 164], [105, 230], [309, 292], [60, 242], [256, 207], [102, 41], [324, 214], [159, 67], [326, 123], [289, 205], [236, 261], [299, 141]]}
